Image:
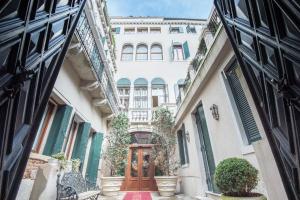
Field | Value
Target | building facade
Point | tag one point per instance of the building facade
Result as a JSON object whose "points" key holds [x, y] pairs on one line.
{"points": [[216, 119], [82, 103], [152, 55]]}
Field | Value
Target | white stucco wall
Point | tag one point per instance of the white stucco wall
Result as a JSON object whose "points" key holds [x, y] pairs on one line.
{"points": [[225, 134], [169, 71], [67, 87]]}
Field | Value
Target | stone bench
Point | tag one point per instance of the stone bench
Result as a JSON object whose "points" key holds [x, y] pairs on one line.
{"points": [[74, 187]]}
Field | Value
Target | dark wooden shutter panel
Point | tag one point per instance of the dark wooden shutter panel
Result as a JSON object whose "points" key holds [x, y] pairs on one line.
{"points": [[186, 50], [180, 145], [242, 104], [58, 130], [81, 141], [94, 157]]}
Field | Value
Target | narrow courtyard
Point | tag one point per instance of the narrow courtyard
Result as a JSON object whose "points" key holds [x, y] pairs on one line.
{"points": [[149, 100]]}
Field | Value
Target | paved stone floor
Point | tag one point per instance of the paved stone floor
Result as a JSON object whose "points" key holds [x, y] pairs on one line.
{"points": [[155, 196]]}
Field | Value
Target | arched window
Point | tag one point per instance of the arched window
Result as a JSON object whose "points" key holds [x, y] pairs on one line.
{"points": [[156, 52], [142, 52], [123, 85], [159, 92], [127, 52]]}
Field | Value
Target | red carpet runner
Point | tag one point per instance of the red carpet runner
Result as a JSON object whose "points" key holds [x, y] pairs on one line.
{"points": [[137, 196]]}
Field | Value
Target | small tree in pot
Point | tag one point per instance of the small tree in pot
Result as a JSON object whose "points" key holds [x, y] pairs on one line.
{"points": [[164, 149], [115, 156], [236, 178]]}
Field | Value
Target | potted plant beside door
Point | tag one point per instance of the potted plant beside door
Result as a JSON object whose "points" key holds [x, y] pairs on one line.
{"points": [[164, 141], [115, 155], [236, 178]]}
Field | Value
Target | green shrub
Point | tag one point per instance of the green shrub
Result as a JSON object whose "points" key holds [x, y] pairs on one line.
{"points": [[236, 177]]}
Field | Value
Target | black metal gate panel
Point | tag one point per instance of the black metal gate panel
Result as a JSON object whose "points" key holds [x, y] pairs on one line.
{"points": [[265, 35], [34, 37]]}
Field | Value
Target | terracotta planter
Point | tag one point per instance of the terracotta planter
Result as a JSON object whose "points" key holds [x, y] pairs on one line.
{"points": [[166, 185], [111, 185], [223, 197]]}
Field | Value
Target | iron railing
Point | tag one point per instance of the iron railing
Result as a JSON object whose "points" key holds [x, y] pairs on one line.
{"points": [[89, 45]]}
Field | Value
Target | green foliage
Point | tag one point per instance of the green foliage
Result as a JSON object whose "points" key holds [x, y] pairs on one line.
{"points": [[63, 161], [61, 158], [165, 142], [118, 140], [236, 177], [75, 164]]}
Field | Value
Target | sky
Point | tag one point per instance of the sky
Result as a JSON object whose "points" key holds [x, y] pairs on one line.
{"points": [[164, 8]]}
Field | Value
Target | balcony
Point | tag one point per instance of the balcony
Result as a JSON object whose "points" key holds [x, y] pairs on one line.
{"points": [[207, 39], [87, 56]]}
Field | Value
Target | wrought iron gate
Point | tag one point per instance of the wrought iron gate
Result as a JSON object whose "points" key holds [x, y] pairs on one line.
{"points": [[265, 35], [34, 37]]}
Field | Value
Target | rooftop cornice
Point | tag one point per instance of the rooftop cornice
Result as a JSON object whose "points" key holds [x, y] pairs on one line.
{"points": [[155, 21]]}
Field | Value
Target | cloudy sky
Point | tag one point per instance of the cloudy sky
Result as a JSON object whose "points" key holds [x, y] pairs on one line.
{"points": [[165, 8]]}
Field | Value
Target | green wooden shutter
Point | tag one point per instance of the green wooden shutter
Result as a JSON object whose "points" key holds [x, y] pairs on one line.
{"points": [[103, 39], [186, 152], [186, 50], [180, 30], [171, 52], [118, 29], [81, 141], [206, 149], [180, 146], [94, 157], [58, 130], [244, 109]]}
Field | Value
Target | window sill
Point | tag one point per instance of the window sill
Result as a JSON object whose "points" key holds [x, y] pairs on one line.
{"points": [[247, 149], [184, 166]]}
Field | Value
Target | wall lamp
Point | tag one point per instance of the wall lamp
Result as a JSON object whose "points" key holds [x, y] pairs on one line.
{"points": [[215, 112]]}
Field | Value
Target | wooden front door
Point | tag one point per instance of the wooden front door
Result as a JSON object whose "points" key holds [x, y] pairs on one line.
{"points": [[140, 170]]}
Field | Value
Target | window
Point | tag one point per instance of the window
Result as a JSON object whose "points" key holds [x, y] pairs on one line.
{"points": [[127, 53], [71, 138], [142, 52], [155, 30], [140, 97], [129, 30], [142, 30], [244, 113], [156, 52], [177, 52], [43, 128], [116, 30], [176, 29], [191, 29], [180, 52], [159, 92], [124, 94], [182, 145]]}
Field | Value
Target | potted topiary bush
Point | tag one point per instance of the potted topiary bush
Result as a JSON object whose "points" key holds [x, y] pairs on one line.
{"points": [[236, 178], [115, 155], [166, 163]]}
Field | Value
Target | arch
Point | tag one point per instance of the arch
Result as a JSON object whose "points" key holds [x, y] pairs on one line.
{"points": [[158, 82], [156, 52], [127, 52], [123, 82], [140, 82], [141, 52]]}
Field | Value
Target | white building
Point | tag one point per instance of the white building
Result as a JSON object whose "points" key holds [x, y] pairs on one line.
{"points": [[152, 55]]}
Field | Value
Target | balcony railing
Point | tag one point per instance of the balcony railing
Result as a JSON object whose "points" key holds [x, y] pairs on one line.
{"points": [[140, 115], [87, 39]]}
